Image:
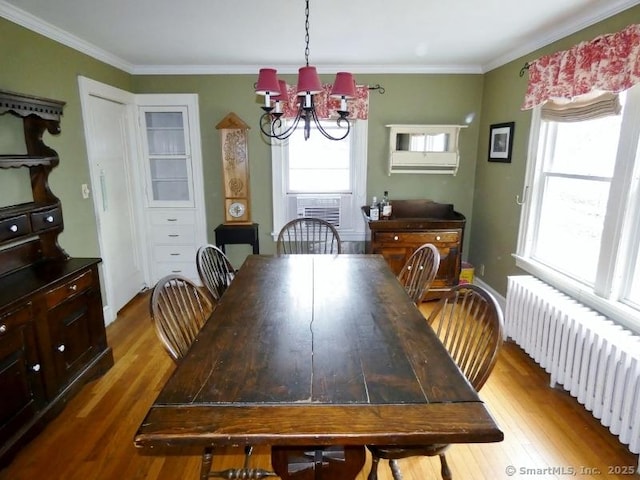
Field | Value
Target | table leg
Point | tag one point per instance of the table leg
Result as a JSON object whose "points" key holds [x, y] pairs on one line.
{"points": [[318, 462]]}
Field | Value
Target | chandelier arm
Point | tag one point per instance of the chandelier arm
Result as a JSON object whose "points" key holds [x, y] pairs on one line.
{"points": [[275, 121], [339, 122], [292, 128]]}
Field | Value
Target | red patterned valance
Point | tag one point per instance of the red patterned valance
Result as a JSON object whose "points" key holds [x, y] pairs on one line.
{"points": [[609, 63], [326, 107]]}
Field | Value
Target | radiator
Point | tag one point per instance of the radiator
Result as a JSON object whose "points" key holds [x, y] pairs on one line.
{"points": [[592, 357]]}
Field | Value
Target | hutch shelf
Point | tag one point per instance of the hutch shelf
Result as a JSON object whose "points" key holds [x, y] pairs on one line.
{"points": [[52, 333]]}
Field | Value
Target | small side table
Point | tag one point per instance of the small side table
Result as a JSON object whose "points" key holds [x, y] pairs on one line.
{"points": [[235, 234]]}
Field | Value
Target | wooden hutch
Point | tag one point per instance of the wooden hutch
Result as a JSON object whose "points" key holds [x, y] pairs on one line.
{"points": [[413, 223], [52, 333]]}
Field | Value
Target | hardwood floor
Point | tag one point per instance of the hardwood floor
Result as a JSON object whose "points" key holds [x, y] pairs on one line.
{"points": [[546, 430]]}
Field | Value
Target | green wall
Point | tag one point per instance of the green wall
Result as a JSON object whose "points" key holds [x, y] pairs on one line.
{"points": [[496, 215], [484, 192], [35, 65], [439, 99]]}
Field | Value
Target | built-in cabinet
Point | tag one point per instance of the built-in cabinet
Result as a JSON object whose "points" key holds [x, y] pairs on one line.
{"points": [[174, 198], [52, 333]]}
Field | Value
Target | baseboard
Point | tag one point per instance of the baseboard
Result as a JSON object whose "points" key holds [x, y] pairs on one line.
{"points": [[502, 301]]}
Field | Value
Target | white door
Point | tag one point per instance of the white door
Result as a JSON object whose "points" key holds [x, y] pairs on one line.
{"points": [[107, 115]]}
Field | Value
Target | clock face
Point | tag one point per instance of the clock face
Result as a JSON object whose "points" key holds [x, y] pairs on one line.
{"points": [[237, 209]]}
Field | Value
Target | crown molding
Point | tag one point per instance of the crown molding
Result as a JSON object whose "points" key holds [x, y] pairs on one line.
{"points": [[33, 23], [607, 9], [37, 25], [288, 69]]}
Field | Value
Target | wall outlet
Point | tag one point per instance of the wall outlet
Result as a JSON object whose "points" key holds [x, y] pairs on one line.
{"points": [[481, 269], [85, 191]]}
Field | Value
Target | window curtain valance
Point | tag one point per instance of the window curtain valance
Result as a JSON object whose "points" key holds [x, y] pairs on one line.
{"points": [[327, 107], [609, 63]]}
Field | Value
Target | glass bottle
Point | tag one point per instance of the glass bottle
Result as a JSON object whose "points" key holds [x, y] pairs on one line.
{"points": [[385, 206], [374, 212]]}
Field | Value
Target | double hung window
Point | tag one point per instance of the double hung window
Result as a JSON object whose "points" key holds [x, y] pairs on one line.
{"points": [[580, 225], [321, 178]]}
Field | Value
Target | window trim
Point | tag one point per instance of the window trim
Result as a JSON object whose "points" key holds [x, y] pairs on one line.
{"points": [[621, 229], [358, 195]]}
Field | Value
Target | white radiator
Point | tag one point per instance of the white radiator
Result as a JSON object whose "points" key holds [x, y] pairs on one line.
{"points": [[593, 358]]}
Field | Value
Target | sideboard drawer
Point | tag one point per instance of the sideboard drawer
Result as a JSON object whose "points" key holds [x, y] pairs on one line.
{"points": [[14, 319], [417, 238], [14, 227], [46, 219], [70, 288]]}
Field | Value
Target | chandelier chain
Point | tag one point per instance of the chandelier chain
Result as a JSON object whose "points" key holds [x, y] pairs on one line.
{"points": [[306, 29]]}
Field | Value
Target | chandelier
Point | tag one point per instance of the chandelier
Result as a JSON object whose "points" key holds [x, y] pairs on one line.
{"points": [[275, 95]]}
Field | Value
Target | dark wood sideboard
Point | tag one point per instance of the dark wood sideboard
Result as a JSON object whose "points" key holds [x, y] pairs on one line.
{"points": [[414, 223], [52, 333]]}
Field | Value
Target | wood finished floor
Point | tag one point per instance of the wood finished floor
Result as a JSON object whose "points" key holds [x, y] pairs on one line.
{"points": [[544, 428]]}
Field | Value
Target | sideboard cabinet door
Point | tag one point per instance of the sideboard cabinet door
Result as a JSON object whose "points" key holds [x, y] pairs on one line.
{"points": [[75, 326], [21, 381]]}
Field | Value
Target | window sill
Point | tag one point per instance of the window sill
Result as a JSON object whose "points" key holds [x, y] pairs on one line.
{"points": [[616, 311], [344, 236]]}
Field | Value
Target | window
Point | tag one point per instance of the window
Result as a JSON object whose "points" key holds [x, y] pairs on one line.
{"points": [[321, 178], [580, 228]]}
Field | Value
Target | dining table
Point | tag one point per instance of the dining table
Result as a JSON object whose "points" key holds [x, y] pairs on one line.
{"points": [[316, 356]]}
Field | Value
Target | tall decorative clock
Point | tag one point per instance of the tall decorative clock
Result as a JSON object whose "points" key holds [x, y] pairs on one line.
{"points": [[235, 169]]}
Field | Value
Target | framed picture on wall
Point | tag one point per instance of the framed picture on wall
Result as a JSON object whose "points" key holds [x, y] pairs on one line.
{"points": [[501, 142]]}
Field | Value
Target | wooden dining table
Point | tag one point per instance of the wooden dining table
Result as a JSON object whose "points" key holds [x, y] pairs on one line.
{"points": [[316, 356]]}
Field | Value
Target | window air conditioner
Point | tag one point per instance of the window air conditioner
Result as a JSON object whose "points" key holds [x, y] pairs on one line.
{"points": [[324, 207]]}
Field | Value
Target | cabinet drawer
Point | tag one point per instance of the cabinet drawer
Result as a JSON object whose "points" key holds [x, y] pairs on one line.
{"points": [[173, 235], [186, 269], [173, 218], [13, 319], [174, 253], [46, 219], [418, 238], [14, 227], [76, 285]]}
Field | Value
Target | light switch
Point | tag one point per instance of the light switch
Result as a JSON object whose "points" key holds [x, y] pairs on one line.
{"points": [[85, 191]]}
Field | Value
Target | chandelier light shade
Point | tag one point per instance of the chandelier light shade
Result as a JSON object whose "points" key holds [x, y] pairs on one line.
{"points": [[344, 88], [309, 85], [308, 82]]}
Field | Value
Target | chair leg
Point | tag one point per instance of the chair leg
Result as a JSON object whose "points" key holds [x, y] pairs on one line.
{"points": [[444, 470], [373, 473], [248, 450], [207, 460], [395, 470]]}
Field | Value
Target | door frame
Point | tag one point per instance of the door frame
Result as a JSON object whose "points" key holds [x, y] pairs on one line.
{"points": [[88, 88]]}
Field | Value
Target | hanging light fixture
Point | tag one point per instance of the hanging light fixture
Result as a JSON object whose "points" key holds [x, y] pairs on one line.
{"points": [[275, 94]]}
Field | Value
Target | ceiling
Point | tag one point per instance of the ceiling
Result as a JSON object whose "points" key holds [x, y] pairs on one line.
{"points": [[363, 36]]}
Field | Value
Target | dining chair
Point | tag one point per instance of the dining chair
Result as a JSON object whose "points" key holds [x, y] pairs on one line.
{"points": [[179, 310], [419, 271], [469, 323], [215, 270], [308, 235]]}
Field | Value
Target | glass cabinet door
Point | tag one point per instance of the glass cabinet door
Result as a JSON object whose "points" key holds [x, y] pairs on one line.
{"points": [[168, 162]]}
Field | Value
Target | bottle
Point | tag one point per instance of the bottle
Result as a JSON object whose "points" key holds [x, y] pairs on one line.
{"points": [[385, 206], [374, 212]]}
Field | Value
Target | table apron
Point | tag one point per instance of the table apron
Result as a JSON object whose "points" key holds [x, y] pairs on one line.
{"points": [[467, 422]]}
